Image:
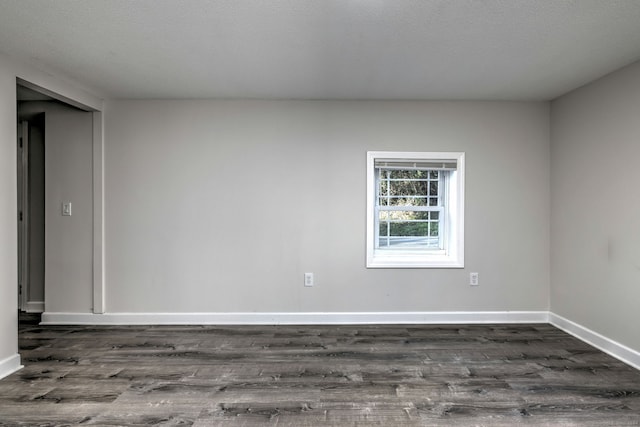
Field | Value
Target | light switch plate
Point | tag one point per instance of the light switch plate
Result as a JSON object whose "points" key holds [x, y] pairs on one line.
{"points": [[66, 209]]}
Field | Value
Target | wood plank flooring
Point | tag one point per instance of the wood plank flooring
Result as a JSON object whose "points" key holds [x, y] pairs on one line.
{"points": [[386, 375]]}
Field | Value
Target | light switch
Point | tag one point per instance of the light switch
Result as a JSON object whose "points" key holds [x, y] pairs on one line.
{"points": [[66, 209]]}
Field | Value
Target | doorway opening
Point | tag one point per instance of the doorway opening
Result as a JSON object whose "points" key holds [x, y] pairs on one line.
{"points": [[55, 140], [31, 201]]}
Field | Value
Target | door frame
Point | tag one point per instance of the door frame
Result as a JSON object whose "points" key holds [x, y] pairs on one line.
{"points": [[23, 214], [95, 106]]}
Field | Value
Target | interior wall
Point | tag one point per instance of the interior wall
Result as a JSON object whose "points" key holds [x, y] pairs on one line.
{"points": [[68, 171], [8, 223], [595, 249], [221, 206]]}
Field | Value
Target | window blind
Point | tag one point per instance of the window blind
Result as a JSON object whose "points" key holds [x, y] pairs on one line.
{"points": [[401, 164]]}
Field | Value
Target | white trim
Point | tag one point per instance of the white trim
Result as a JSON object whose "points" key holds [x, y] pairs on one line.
{"points": [[98, 213], [35, 307], [448, 317], [23, 208], [10, 365], [609, 346]]}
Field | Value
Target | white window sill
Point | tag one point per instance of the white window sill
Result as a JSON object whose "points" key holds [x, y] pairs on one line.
{"points": [[414, 261]]}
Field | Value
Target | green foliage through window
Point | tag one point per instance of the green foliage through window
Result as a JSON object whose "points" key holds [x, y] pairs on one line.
{"points": [[409, 207]]}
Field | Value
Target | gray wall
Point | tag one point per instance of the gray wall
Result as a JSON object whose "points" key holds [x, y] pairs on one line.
{"points": [[8, 218], [69, 239], [221, 206], [595, 248]]}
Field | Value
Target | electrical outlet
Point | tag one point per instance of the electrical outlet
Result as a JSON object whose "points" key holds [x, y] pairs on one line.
{"points": [[308, 279], [474, 280]]}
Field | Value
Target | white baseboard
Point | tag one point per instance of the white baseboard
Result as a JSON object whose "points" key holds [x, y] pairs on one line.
{"points": [[609, 346], [35, 307], [10, 365], [52, 318]]}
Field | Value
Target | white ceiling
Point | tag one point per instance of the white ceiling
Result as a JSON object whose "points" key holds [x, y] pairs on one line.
{"points": [[324, 49]]}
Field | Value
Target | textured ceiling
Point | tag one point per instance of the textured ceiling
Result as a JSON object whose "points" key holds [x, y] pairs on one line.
{"points": [[324, 49]]}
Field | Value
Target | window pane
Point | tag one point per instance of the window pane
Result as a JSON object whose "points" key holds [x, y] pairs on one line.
{"points": [[403, 201], [408, 235], [419, 215], [408, 188], [434, 228], [418, 201], [383, 228], [408, 174], [433, 188], [408, 230], [383, 187], [407, 216]]}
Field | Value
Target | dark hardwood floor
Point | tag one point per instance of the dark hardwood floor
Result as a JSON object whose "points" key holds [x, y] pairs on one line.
{"points": [[387, 375]]}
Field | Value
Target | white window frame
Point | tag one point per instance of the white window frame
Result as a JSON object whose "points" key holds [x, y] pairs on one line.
{"points": [[452, 253]]}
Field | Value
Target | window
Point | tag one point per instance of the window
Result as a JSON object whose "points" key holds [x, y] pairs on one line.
{"points": [[415, 210]]}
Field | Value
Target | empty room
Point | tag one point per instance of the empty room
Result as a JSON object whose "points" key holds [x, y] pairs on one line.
{"points": [[319, 212]]}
